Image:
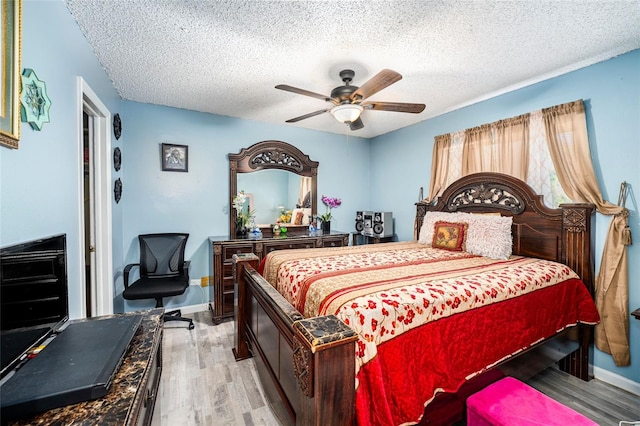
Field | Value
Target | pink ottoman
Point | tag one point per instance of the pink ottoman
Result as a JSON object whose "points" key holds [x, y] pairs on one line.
{"points": [[509, 402]]}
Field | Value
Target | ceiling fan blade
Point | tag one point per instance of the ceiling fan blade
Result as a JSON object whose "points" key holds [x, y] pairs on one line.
{"points": [[356, 125], [375, 84], [311, 114], [304, 92], [394, 106]]}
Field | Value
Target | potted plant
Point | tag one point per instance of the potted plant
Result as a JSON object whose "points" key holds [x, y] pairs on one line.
{"points": [[243, 214], [330, 203]]}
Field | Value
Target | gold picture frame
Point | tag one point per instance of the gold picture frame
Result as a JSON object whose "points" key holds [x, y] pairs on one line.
{"points": [[11, 24]]}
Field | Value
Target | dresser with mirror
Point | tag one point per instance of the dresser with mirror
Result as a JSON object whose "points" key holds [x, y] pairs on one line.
{"points": [[279, 183]]}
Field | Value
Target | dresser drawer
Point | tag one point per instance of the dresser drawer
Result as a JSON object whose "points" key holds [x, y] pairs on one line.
{"points": [[285, 245], [229, 250], [332, 242], [227, 279], [150, 395]]}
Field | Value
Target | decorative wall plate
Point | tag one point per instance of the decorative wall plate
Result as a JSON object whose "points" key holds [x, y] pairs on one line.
{"points": [[34, 101], [117, 126], [117, 190], [117, 159]]}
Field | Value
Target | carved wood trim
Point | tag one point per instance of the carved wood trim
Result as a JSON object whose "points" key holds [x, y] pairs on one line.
{"points": [[275, 157], [303, 367], [270, 154], [273, 154], [495, 195], [574, 220]]}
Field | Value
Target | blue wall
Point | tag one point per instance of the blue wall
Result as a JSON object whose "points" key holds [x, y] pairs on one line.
{"points": [[39, 181], [197, 202], [611, 91]]}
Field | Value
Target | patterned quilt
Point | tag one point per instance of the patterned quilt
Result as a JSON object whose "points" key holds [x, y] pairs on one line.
{"points": [[384, 291]]}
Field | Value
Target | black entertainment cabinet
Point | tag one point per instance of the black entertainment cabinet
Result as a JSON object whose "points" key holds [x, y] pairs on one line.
{"points": [[36, 386], [33, 294]]}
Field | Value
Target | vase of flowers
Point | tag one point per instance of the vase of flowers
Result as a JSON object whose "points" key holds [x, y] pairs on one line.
{"points": [[243, 214], [330, 203]]}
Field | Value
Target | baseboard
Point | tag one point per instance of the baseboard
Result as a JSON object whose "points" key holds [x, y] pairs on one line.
{"points": [[198, 307], [616, 380], [191, 309]]}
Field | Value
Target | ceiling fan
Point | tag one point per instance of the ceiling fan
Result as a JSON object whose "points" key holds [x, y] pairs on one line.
{"points": [[350, 101]]}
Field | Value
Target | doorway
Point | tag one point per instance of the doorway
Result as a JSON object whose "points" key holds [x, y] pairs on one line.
{"points": [[88, 216], [94, 204]]}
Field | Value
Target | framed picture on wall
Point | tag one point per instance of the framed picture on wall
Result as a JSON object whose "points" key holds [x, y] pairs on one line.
{"points": [[10, 62], [175, 158]]}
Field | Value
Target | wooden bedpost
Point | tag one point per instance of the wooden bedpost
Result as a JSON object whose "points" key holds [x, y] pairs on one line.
{"points": [[577, 223], [324, 365]]}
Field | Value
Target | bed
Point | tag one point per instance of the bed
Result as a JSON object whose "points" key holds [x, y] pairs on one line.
{"points": [[323, 355]]}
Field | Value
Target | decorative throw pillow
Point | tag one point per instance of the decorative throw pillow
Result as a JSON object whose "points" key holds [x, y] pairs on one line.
{"points": [[488, 236], [449, 236], [305, 215], [298, 219]]}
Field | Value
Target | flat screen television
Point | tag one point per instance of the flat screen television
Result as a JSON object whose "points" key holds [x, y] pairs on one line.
{"points": [[33, 296]]}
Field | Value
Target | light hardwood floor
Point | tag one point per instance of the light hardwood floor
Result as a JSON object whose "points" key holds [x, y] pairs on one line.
{"points": [[202, 384]]}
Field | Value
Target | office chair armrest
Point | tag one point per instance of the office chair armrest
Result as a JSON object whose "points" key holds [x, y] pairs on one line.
{"points": [[126, 273], [186, 265]]}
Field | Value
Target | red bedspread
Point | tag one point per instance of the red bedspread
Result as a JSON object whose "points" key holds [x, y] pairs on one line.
{"points": [[428, 319]]}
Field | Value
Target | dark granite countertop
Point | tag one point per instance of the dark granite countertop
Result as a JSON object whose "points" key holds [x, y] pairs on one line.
{"points": [[125, 392]]}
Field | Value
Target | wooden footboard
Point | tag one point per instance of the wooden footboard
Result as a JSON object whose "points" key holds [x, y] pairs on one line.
{"points": [[307, 366]]}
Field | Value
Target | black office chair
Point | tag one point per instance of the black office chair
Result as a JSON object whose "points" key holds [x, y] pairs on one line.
{"points": [[163, 271]]}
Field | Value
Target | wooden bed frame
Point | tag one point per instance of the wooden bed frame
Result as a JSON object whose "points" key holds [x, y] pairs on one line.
{"points": [[307, 366]]}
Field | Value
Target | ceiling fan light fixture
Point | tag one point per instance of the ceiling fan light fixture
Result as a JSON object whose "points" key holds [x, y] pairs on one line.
{"points": [[347, 113]]}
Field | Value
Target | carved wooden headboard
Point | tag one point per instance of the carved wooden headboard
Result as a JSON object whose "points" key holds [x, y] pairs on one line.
{"points": [[562, 234]]}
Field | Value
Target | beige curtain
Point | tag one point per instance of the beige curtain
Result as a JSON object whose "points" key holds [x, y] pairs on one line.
{"points": [[477, 151], [439, 165], [305, 187], [500, 147], [512, 146], [569, 148], [540, 167]]}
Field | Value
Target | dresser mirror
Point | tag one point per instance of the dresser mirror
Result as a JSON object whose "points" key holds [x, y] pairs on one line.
{"points": [[276, 177]]}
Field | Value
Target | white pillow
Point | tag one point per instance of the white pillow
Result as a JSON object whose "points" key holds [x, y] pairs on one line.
{"points": [[488, 236], [305, 216]]}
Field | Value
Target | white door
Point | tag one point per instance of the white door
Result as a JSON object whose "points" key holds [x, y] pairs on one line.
{"points": [[95, 242], [88, 172]]}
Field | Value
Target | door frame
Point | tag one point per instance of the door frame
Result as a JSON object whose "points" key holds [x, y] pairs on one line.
{"points": [[88, 101]]}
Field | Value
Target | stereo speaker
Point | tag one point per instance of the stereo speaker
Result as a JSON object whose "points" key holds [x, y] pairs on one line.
{"points": [[360, 220], [381, 225]]}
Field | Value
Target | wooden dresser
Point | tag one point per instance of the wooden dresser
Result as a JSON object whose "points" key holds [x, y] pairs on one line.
{"points": [[132, 395], [223, 248]]}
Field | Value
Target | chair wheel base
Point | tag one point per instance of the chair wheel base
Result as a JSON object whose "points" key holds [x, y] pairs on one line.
{"points": [[177, 316]]}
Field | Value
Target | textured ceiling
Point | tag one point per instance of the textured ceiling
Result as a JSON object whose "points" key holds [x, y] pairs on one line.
{"points": [[225, 57]]}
